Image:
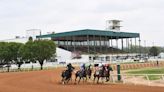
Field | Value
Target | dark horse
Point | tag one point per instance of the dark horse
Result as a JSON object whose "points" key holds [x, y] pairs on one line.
{"points": [[107, 72], [66, 76], [83, 74], [99, 74], [102, 73], [89, 72]]}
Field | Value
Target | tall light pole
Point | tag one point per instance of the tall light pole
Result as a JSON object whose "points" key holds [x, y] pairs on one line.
{"points": [[145, 47], [140, 48]]}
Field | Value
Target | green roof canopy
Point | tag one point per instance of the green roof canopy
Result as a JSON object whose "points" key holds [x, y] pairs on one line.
{"points": [[92, 32]]}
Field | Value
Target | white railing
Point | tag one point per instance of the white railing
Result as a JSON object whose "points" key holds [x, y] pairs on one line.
{"points": [[2, 70], [139, 79], [136, 79]]}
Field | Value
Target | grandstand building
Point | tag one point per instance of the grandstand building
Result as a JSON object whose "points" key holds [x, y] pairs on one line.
{"points": [[89, 45]]}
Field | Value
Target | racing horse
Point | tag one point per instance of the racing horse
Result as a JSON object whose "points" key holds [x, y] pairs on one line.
{"points": [[83, 74], [107, 72], [66, 76], [99, 73], [89, 72]]}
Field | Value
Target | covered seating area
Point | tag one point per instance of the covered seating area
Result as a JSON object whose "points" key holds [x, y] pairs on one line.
{"points": [[90, 41]]}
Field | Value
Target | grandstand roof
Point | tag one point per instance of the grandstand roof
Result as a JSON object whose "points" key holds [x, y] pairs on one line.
{"points": [[91, 32]]}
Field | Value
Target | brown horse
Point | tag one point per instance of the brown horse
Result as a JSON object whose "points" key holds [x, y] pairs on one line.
{"points": [[99, 74]]}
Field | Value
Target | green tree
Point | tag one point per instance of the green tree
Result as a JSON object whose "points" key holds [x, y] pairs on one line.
{"points": [[38, 50], [154, 51], [27, 52], [43, 50], [5, 54], [9, 52], [2, 52], [19, 60]]}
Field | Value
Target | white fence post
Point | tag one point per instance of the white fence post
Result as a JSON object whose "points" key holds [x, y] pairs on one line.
{"points": [[147, 77], [162, 77]]}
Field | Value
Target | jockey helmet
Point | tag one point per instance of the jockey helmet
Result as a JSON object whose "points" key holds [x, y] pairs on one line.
{"points": [[82, 65], [100, 65], [69, 64]]}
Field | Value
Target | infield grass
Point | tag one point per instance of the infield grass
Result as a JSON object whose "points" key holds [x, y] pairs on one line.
{"points": [[148, 71]]}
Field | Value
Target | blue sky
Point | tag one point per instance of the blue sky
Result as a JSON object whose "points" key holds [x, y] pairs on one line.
{"points": [[142, 16]]}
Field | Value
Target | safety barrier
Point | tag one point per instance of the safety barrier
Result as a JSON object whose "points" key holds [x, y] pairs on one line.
{"points": [[138, 65], [3, 70], [123, 66], [139, 79]]}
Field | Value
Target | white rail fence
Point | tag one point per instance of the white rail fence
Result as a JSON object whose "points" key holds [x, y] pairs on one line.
{"points": [[136, 79], [35, 68], [139, 79]]}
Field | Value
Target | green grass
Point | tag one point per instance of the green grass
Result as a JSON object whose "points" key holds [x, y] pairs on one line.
{"points": [[148, 71]]}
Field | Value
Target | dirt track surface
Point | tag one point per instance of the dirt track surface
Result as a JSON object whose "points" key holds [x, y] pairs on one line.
{"points": [[49, 81]]}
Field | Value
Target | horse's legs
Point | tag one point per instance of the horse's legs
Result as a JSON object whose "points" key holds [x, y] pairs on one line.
{"points": [[107, 78], [86, 78], [98, 79], [83, 79], [94, 78], [89, 76], [68, 80], [64, 80], [75, 78], [71, 79], [102, 79], [79, 80]]}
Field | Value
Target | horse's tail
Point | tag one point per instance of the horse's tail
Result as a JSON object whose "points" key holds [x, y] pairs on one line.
{"points": [[76, 73], [63, 74]]}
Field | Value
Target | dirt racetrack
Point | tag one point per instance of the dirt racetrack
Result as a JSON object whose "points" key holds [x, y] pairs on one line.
{"points": [[48, 81]]}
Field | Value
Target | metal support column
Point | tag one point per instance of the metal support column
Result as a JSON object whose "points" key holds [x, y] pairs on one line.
{"points": [[122, 43], [94, 44], [117, 46], [88, 43], [140, 47], [100, 45], [131, 47], [67, 43], [74, 43], [135, 45], [106, 44]]}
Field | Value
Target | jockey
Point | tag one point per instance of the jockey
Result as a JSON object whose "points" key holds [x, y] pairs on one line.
{"points": [[70, 67], [82, 67], [96, 69], [88, 66], [108, 68], [100, 66]]}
